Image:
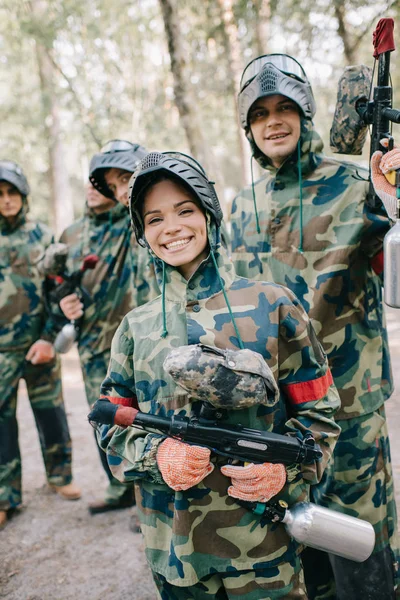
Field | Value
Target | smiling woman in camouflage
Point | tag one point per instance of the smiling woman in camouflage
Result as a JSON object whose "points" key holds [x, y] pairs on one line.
{"points": [[200, 543]]}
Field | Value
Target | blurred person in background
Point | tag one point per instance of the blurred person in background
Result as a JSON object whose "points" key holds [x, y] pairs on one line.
{"points": [[26, 349], [121, 280]]}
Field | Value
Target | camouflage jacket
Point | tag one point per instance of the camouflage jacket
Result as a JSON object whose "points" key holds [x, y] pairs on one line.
{"points": [[337, 274], [193, 533], [122, 279], [23, 317]]}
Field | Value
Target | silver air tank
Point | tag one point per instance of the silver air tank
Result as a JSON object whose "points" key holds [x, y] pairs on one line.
{"points": [[391, 256], [65, 338], [330, 531]]}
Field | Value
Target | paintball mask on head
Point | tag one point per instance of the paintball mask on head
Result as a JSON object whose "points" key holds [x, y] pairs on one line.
{"points": [[118, 154], [275, 74], [12, 173], [232, 379], [181, 168]]}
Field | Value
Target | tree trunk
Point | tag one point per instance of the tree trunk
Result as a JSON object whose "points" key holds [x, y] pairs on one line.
{"points": [[262, 30], [235, 68], [183, 97], [340, 14], [61, 206]]}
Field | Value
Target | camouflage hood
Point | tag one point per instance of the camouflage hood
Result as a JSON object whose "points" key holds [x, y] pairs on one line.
{"points": [[299, 165], [215, 274], [311, 147]]}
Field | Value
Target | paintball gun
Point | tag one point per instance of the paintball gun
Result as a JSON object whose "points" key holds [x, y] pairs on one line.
{"points": [[54, 267], [380, 114], [355, 111], [205, 370], [306, 522]]}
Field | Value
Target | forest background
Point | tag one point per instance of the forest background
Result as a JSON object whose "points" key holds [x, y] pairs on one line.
{"points": [[163, 73]]}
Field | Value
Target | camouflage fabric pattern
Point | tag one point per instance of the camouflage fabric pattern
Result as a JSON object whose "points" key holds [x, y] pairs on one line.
{"points": [[282, 581], [359, 481], [226, 378], [45, 395], [93, 372], [23, 317], [324, 249], [122, 279], [54, 260], [191, 534], [347, 135]]}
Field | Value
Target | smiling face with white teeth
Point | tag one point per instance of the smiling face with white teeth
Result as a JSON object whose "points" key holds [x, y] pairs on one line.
{"points": [[175, 227], [275, 125]]}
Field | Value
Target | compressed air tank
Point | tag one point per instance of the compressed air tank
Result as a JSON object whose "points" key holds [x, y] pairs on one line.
{"points": [[391, 257], [330, 531], [65, 338]]}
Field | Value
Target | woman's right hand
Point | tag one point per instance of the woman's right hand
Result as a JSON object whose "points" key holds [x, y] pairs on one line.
{"points": [[72, 307], [182, 466]]}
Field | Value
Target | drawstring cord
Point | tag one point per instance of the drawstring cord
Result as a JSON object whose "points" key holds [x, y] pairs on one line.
{"points": [[240, 342], [254, 195], [301, 194], [164, 317]]}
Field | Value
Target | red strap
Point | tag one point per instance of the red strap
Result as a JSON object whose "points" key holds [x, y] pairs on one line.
{"points": [[377, 263], [382, 38], [309, 391], [122, 401]]}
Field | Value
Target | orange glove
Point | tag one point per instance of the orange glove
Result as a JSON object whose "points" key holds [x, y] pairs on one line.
{"points": [[380, 165], [255, 483], [40, 352], [183, 466]]}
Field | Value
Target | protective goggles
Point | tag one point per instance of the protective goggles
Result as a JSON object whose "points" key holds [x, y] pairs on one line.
{"points": [[11, 166], [117, 146], [286, 64]]}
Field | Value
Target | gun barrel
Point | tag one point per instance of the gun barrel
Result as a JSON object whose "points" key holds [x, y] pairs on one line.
{"points": [[392, 114]]}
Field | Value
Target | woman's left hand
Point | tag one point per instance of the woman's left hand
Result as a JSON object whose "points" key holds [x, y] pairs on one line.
{"points": [[255, 483]]}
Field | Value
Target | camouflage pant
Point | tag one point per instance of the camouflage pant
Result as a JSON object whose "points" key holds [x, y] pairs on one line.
{"points": [[94, 371], [283, 581], [45, 395], [358, 482]]}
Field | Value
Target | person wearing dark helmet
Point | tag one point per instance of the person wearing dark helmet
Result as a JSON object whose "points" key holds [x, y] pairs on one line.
{"points": [[121, 280], [200, 543], [306, 224], [26, 349]]}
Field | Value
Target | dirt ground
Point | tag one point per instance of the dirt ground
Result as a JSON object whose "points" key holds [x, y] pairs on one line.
{"points": [[54, 550]]}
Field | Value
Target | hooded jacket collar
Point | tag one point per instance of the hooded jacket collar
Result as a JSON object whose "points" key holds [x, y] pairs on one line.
{"points": [[311, 147], [204, 282]]}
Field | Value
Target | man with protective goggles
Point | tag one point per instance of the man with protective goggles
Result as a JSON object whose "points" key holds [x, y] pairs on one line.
{"points": [[121, 280], [26, 349], [306, 224]]}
